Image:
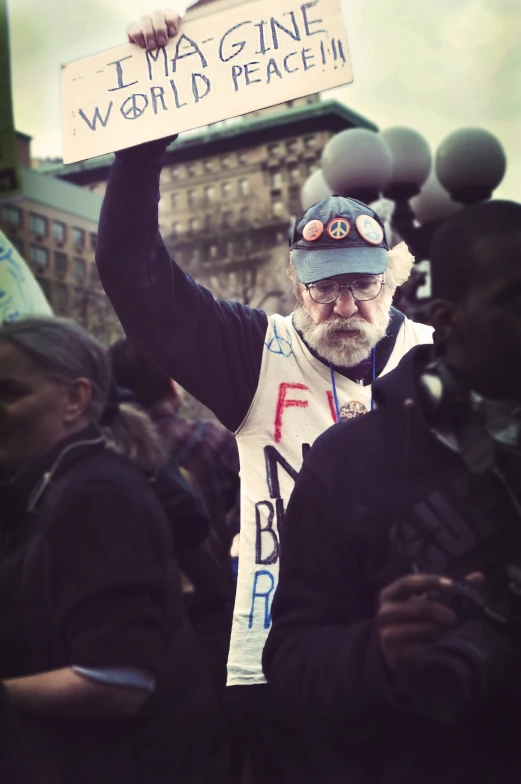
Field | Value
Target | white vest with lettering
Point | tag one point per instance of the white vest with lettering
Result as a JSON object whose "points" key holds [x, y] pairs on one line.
{"points": [[293, 405]]}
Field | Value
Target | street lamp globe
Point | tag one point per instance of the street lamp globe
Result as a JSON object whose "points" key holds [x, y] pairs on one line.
{"points": [[314, 189], [433, 203], [411, 162], [357, 163], [470, 164]]}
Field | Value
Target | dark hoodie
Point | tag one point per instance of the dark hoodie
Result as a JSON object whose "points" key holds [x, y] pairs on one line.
{"points": [[368, 504]]}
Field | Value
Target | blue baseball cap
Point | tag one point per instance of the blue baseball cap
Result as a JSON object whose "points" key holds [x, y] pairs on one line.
{"points": [[336, 236]]}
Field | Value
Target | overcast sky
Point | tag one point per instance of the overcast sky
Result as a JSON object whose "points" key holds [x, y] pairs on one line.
{"points": [[434, 65]]}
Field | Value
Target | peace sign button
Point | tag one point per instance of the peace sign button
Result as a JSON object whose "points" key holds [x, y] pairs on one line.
{"points": [[338, 228]]}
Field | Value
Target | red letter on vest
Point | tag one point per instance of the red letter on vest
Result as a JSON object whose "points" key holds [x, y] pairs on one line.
{"points": [[283, 403]]}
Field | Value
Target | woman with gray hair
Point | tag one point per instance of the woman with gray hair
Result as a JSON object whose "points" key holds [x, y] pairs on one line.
{"points": [[96, 654]]}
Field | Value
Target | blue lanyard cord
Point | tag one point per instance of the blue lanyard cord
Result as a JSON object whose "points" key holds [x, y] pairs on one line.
{"points": [[335, 396], [333, 384]]}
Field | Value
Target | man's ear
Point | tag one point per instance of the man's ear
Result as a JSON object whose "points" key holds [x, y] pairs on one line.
{"points": [[445, 317], [77, 400]]}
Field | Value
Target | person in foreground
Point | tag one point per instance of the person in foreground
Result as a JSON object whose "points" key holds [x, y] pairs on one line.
{"points": [[397, 619], [96, 655]]}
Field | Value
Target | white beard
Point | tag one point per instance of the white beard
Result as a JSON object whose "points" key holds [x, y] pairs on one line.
{"points": [[342, 351]]}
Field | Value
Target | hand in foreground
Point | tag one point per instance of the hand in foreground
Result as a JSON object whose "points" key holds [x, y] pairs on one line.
{"points": [[409, 622], [154, 31]]}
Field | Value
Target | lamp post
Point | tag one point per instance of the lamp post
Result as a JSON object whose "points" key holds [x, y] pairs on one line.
{"points": [[314, 189], [470, 164], [357, 163]]}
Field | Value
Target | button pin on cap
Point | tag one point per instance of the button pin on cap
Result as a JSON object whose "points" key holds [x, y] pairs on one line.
{"points": [[338, 228], [312, 230], [369, 229]]}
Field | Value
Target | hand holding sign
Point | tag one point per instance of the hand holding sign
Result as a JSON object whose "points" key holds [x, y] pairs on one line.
{"points": [[155, 30], [255, 54]]}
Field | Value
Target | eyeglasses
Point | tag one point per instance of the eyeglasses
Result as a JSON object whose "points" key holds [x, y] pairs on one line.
{"points": [[364, 288]]}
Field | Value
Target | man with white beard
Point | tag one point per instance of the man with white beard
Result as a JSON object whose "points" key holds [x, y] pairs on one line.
{"points": [[276, 382]]}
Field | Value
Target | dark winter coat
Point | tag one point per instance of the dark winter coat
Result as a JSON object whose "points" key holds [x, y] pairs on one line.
{"points": [[88, 579], [376, 495]]}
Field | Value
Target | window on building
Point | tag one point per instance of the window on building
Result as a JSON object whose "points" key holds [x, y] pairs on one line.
{"points": [[39, 257], [93, 240], [209, 193], [61, 296], [80, 296], [17, 243], [208, 165], [78, 238], [245, 215], [292, 146], [226, 219], [12, 216], [310, 141], [278, 207], [225, 161], [209, 221], [226, 189], [175, 199], [276, 179], [195, 224], [214, 251], [244, 186], [243, 159], [80, 268], [295, 174], [60, 262], [196, 255], [94, 276], [191, 170], [45, 287], [38, 224], [273, 149], [192, 198], [177, 228], [59, 232], [174, 172], [80, 304]]}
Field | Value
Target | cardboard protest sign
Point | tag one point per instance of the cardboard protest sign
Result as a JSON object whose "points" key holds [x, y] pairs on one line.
{"points": [[20, 294], [240, 59]]}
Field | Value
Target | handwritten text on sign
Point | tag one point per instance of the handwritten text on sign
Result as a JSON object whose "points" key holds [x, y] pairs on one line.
{"points": [[238, 60]]}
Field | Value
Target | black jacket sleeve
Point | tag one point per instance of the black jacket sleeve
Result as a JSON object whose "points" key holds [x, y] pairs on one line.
{"points": [[213, 348], [15, 764], [322, 654]]}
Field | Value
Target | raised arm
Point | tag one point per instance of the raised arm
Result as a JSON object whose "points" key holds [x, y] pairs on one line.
{"points": [[212, 348]]}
